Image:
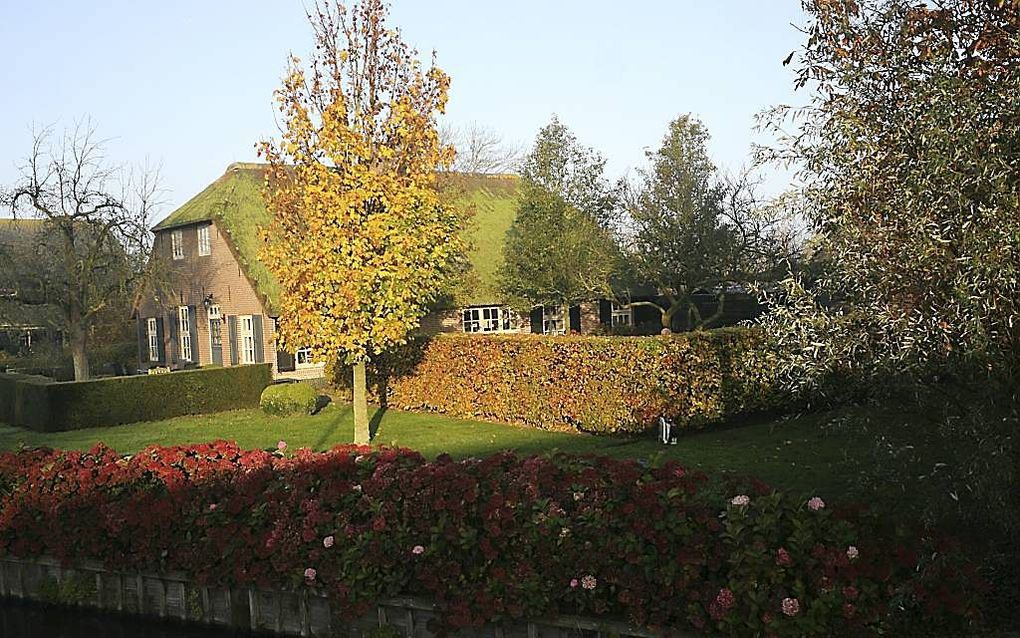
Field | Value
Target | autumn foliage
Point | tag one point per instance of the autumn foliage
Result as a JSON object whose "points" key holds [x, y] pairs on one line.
{"points": [[488, 539]]}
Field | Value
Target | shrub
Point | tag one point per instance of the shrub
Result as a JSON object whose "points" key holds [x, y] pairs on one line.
{"points": [[289, 398], [595, 384], [486, 539], [33, 403]]}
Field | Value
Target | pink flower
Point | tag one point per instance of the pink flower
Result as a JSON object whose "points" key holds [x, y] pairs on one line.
{"points": [[740, 500], [212, 507], [281, 445], [852, 553], [791, 606], [310, 574], [589, 582], [328, 542], [418, 550], [783, 557], [573, 583], [725, 598], [815, 504]]}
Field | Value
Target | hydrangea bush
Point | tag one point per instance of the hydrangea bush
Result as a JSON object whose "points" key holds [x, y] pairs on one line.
{"points": [[487, 539]]}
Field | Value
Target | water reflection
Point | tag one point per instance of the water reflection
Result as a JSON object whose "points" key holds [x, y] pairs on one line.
{"points": [[30, 620]]}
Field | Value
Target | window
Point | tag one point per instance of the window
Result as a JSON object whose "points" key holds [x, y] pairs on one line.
{"points": [[177, 243], [247, 330], [553, 320], [204, 245], [489, 319], [622, 315], [303, 357], [153, 333], [184, 315]]}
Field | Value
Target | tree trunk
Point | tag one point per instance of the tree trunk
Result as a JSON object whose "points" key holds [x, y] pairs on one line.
{"points": [[79, 356], [362, 435]]}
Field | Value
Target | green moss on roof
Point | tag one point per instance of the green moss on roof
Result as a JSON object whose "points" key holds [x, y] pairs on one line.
{"points": [[234, 202]]}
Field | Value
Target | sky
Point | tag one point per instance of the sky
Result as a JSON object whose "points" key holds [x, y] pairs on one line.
{"points": [[188, 85]]}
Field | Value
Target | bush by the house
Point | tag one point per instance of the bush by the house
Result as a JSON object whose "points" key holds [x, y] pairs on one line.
{"points": [[595, 384], [29, 402], [289, 398], [486, 539]]}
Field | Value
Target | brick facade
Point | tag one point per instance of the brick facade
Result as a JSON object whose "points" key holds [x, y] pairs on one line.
{"points": [[190, 281]]}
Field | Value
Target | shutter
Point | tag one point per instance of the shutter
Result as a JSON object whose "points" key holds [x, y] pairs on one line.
{"points": [[536, 320], [174, 320], [232, 338], [193, 321], [605, 312], [285, 361], [256, 325], [159, 338], [143, 340], [574, 319]]}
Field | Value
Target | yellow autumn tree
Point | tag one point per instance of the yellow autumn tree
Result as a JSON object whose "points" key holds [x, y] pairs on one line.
{"points": [[359, 240]]}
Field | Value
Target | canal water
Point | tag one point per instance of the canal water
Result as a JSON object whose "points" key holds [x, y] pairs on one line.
{"points": [[31, 620]]}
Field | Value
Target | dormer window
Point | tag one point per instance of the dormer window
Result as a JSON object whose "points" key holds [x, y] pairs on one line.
{"points": [[177, 243], [204, 245]]}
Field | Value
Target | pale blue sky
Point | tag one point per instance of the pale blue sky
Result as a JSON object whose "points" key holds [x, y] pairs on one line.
{"points": [[189, 83]]}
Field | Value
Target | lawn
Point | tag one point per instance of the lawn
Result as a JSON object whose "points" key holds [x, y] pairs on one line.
{"points": [[795, 453]]}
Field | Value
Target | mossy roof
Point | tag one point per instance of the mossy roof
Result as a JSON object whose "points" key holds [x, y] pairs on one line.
{"points": [[234, 201]]}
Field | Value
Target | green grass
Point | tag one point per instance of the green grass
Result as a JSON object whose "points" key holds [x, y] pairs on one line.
{"points": [[793, 454]]}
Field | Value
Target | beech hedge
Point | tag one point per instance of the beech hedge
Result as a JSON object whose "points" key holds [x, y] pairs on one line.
{"points": [[488, 539], [590, 383]]}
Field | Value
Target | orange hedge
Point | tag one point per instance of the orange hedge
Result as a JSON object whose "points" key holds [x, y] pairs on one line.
{"points": [[595, 384]]}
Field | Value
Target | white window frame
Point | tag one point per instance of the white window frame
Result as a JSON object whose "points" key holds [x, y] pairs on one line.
{"points": [[488, 320], [303, 358], [204, 241], [246, 339], [554, 320], [177, 243], [152, 331], [621, 315], [184, 332]]}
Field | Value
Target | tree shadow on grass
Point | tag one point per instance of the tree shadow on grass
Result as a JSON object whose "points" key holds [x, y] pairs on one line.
{"points": [[376, 421], [329, 432]]}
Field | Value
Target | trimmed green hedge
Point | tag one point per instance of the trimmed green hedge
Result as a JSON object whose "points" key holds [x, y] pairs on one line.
{"points": [[40, 405], [595, 384], [289, 398]]}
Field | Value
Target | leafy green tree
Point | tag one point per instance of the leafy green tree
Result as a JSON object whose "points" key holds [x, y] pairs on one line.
{"points": [[691, 231], [560, 250]]}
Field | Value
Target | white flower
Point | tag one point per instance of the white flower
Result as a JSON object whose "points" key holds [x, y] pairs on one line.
{"points": [[740, 500], [852, 553]]}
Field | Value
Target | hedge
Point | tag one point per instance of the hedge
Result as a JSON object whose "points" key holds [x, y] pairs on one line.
{"points": [[34, 403], [488, 539], [589, 383], [289, 398]]}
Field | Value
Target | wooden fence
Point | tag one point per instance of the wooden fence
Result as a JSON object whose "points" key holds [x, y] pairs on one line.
{"points": [[175, 596]]}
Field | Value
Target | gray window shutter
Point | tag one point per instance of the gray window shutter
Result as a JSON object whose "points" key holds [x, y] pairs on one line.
{"points": [[143, 340], [173, 319], [536, 320], [232, 338], [256, 323], [193, 321], [159, 338]]}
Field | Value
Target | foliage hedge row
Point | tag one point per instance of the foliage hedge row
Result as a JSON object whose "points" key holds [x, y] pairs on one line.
{"points": [[34, 403], [595, 384], [487, 539], [289, 398]]}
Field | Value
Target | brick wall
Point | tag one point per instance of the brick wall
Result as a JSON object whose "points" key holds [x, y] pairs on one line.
{"points": [[191, 279]]}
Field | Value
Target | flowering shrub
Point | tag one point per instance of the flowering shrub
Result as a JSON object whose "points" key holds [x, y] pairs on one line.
{"points": [[487, 539], [595, 384]]}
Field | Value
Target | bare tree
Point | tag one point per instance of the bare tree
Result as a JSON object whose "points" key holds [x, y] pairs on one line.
{"points": [[96, 227], [481, 150]]}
